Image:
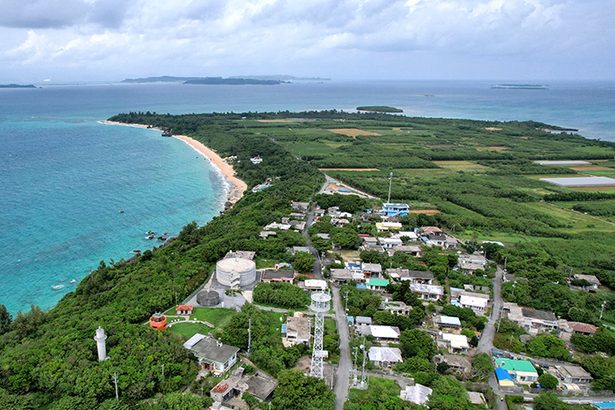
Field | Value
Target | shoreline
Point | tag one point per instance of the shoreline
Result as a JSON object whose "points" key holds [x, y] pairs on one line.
{"points": [[235, 187]]}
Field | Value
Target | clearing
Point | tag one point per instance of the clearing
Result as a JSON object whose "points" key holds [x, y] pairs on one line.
{"points": [[460, 165], [494, 148], [354, 132], [349, 169], [425, 211]]}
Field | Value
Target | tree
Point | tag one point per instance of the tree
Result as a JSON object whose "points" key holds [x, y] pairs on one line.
{"points": [[303, 262], [5, 319], [300, 392], [417, 343], [549, 401], [548, 381], [548, 346], [449, 394], [481, 367]]}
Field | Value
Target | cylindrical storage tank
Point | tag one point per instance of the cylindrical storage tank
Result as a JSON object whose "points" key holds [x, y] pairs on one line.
{"points": [[236, 272], [208, 298]]}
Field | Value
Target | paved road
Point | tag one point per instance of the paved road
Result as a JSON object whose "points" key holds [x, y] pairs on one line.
{"points": [[485, 344], [345, 364], [317, 269]]}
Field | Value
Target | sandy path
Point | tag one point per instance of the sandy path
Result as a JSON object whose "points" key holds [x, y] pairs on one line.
{"points": [[236, 186]]}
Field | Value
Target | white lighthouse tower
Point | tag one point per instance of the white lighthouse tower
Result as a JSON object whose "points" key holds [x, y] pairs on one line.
{"points": [[100, 338]]}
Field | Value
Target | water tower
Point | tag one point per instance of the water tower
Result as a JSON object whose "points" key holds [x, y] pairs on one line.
{"points": [[101, 345], [320, 306]]}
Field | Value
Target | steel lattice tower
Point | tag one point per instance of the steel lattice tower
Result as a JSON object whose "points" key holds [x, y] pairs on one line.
{"points": [[320, 305]]}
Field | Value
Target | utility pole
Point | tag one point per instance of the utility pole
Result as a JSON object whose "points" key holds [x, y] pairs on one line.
{"points": [[363, 378], [355, 371], [346, 300], [114, 377], [390, 183], [249, 335], [162, 370], [602, 309]]}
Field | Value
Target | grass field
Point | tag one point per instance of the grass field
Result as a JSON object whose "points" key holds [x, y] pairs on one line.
{"points": [[216, 316], [187, 330]]}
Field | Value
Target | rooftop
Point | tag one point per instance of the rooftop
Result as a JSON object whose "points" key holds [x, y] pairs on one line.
{"points": [[384, 332], [240, 254], [269, 274], [448, 320], [209, 348], [377, 282], [538, 314], [515, 365], [385, 354]]}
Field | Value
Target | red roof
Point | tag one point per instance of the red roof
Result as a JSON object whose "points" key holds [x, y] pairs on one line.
{"points": [[582, 327], [431, 229], [363, 235], [184, 307]]}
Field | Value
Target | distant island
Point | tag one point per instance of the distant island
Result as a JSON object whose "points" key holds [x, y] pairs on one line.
{"points": [[204, 80], [17, 86], [521, 86], [281, 77], [379, 108]]}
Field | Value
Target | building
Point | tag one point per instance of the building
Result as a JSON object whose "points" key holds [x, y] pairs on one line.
{"points": [[395, 307], [448, 323], [380, 333], [469, 263], [388, 226], [384, 356], [417, 394], [259, 385], [240, 254], [408, 235], [390, 243], [266, 234], [300, 206], [427, 292], [394, 209], [571, 374], [363, 320], [592, 282], [456, 363], [475, 301], [504, 378], [581, 328], [296, 331], [212, 354], [412, 250], [341, 275], [532, 320], [278, 226], [297, 249], [277, 275], [521, 371], [236, 272], [378, 285], [158, 321], [412, 276], [477, 399], [183, 310], [453, 342], [315, 284], [371, 270]]}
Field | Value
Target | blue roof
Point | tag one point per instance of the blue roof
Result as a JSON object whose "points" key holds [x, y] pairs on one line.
{"points": [[605, 405], [283, 328], [360, 286], [502, 374]]}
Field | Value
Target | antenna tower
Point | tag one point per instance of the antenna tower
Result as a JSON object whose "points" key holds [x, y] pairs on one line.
{"points": [[320, 305]]}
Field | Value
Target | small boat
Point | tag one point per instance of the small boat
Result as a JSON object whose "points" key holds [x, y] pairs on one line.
{"points": [[57, 287], [73, 281]]}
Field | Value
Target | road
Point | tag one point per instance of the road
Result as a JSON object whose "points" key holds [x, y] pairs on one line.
{"points": [[343, 369], [485, 344], [317, 269]]}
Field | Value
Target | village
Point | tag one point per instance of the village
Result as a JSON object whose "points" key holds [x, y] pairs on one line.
{"points": [[371, 296]]}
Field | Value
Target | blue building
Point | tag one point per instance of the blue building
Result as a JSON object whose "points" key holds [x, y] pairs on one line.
{"points": [[395, 209]]}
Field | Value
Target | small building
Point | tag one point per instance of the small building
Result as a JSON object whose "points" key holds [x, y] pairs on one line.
{"points": [[394, 209], [395, 307], [298, 249], [183, 310], [477, 398], [390, 243], [341, 275], [592, 282], [522, 371], [456, 363], [378, 285], [417, 394], [158, 321], [363, 320], [266, 234], [380, 333], [277, 275], [371, 270], [299, 206], [427, 292], [296, 331], [412, 276], [534, 321], [277, 226], [384, 356], [477, 303], [571, 374], [504, 378], [453, 342], [240, 255], [323, 236], [212, 354], [582, 328], [412, 250], [408, 235], [449, 323], [469, 263], [388, 226], [315, 284]]}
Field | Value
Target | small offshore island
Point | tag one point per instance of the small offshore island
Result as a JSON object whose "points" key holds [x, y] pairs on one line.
{"points": [[18, 86], [379, 109], [204, 80], [422, 232]]}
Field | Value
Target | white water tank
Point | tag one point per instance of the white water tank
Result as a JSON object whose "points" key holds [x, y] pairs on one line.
{"points": [[236, 272]]}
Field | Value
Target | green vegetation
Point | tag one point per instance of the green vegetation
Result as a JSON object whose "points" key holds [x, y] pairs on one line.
{"points": [[360, 302], [216, 316], [187, 330], [548, 381], [381, 394], [282, 295], [379, 108], [298, 392]]}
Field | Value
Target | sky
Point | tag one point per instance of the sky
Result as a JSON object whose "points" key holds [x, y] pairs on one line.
{"points": [[90, 40]]}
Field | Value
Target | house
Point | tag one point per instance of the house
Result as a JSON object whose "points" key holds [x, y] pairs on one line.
{"points": [[504, 378], [412, 276], [341, 275], [259, 385], [363, 320], [299, 206], [441, 240], [371, 270], [302, 249], [339, 221], [240, 255], [417, 394], [476, 288], [277, 275], [469, 263], [378, 285], [212, 354], [477, 399], [278, 226], [183, 310], [412, 250], [297, 225], [395, 307], [266, 234], [315, 284], [582, 328], [380, 333], [384, 356], [323, 236], [534, 321], [586, 282], [571, 374], [449, 323], [388, 226], [427, 292], [453, 342], [408, 235], [390, 243], [394, 209], [428, 230], [296, 331], [475, 301], [521, 371], [456, 363]]}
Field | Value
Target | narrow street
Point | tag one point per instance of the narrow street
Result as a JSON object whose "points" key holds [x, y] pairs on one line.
{"points": [[343, 369], [317, 269], [485, 344]]}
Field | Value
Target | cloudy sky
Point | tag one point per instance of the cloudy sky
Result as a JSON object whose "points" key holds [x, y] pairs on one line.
{"points": [[341, 39]]}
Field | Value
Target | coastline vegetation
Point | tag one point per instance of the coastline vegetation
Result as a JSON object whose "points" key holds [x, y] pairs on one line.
{"points": [[379, 108]]}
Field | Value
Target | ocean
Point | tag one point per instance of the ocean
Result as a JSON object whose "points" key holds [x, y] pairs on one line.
{"points": [[65, 179]]}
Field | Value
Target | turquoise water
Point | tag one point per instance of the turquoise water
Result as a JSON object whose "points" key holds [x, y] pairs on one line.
{"points": [[64, 177]]}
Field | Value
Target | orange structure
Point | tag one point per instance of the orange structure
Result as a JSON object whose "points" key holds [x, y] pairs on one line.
{"points": [[183, 310], [158, 321]]}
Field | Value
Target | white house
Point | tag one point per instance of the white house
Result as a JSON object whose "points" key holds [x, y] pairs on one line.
{"points": [[417, 394], [384, 356], [453, 342], [427, 292]]}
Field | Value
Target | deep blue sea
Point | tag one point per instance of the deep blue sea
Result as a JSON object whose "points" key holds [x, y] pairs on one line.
{"points": [[64, 177]]}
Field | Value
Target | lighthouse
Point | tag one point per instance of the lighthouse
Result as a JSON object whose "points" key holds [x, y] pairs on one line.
{"points": [[100, 338]]}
